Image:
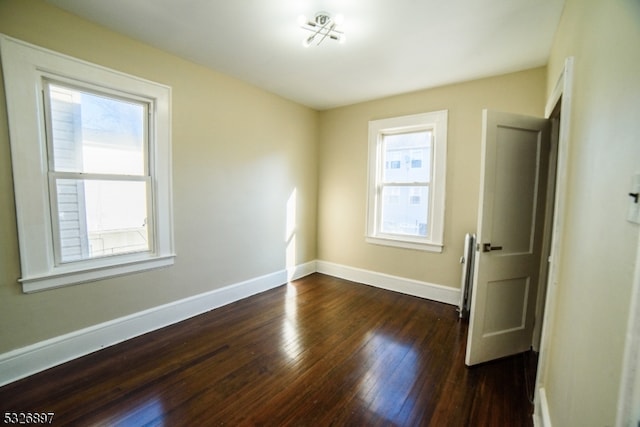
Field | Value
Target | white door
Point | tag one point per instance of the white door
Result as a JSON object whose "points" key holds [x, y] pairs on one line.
{"points": [[515, 155]]}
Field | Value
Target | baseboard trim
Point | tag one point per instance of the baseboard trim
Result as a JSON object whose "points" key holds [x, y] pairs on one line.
{"points": [[403, 285], [541, 415], [26, 361]]}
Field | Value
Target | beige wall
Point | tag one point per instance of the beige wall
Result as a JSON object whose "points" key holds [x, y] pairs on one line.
{"points": [[599, 246], [238, 154], [343, 172], [238, 151]]}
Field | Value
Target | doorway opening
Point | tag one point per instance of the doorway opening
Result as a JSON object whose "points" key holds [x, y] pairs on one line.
{"points": [[548, 226], [532, 358], [559, 111]]}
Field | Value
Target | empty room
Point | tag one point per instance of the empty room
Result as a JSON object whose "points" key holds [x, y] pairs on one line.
{"points": [[320, 212]]}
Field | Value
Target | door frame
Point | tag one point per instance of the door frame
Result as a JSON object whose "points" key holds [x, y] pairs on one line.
{"points": [[547, 232], [561, 96], [628, 413]]}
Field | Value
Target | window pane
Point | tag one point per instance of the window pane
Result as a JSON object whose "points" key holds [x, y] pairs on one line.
{"points": [[405, 210], [407, 157], [101, 218], [96, 133]]}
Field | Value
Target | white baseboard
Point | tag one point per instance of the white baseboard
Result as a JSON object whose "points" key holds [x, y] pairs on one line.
{"points": [[416, 288], [22, 362], [541, 415], [301, 270], [29, 360]]}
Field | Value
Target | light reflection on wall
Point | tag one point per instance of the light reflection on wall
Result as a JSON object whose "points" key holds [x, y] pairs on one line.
{"points": [[290, 233], [392, 368]]}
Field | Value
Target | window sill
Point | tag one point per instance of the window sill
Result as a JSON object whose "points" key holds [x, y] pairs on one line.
{"points": [[406, 244], [101, 269]]}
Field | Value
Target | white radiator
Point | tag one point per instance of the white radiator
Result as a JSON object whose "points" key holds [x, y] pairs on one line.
{"points": [[466, 284]]}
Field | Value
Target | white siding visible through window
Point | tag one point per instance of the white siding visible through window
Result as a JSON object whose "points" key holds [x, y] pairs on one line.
{"points": [[68, 151]]}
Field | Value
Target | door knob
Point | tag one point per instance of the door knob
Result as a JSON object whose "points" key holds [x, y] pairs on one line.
{"points": [[486, 247]]}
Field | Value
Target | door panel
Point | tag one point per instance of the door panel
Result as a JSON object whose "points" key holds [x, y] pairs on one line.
{"points": [[506, 304], [510, 225], [515, 179]]}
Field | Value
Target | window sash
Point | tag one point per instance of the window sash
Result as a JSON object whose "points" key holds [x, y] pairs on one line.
{"points": [[383, 181], [148, 118], [385, 157], [55, 177], [380, 211]]}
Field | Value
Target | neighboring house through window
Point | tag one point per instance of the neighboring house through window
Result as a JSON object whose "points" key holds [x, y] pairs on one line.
{"points": [[407, 161], [91, 162]]}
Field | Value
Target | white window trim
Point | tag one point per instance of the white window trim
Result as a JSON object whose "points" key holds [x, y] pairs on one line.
{"points": [[437, 122], [24, 66]]}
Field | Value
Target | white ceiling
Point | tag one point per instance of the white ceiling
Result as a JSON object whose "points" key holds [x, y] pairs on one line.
{"points": [[391, 46]]}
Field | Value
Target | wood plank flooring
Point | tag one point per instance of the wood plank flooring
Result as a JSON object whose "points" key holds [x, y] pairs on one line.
{"points": [[319, 351]]}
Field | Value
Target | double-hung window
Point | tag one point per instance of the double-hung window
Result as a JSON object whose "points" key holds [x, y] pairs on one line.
{"points": [[91, 157], [99, 180], [407, 162]]}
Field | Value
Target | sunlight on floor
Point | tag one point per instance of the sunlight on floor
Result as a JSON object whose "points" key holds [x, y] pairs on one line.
{"points": [[290, 335], [149, 413], [392, 369]]}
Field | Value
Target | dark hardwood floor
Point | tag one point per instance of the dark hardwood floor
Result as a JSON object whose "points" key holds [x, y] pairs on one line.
{"points": [[319, 351]]}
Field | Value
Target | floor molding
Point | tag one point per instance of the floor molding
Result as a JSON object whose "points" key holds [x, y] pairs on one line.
{"points": [[403, 285], [541, 415], [26, 361]]}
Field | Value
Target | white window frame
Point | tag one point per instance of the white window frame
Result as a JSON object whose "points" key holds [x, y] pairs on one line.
{"points": [[436, 122], [25, 67]]}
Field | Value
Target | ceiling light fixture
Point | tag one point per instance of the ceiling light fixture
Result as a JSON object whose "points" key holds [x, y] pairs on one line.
{"points": [[322, 26]]}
